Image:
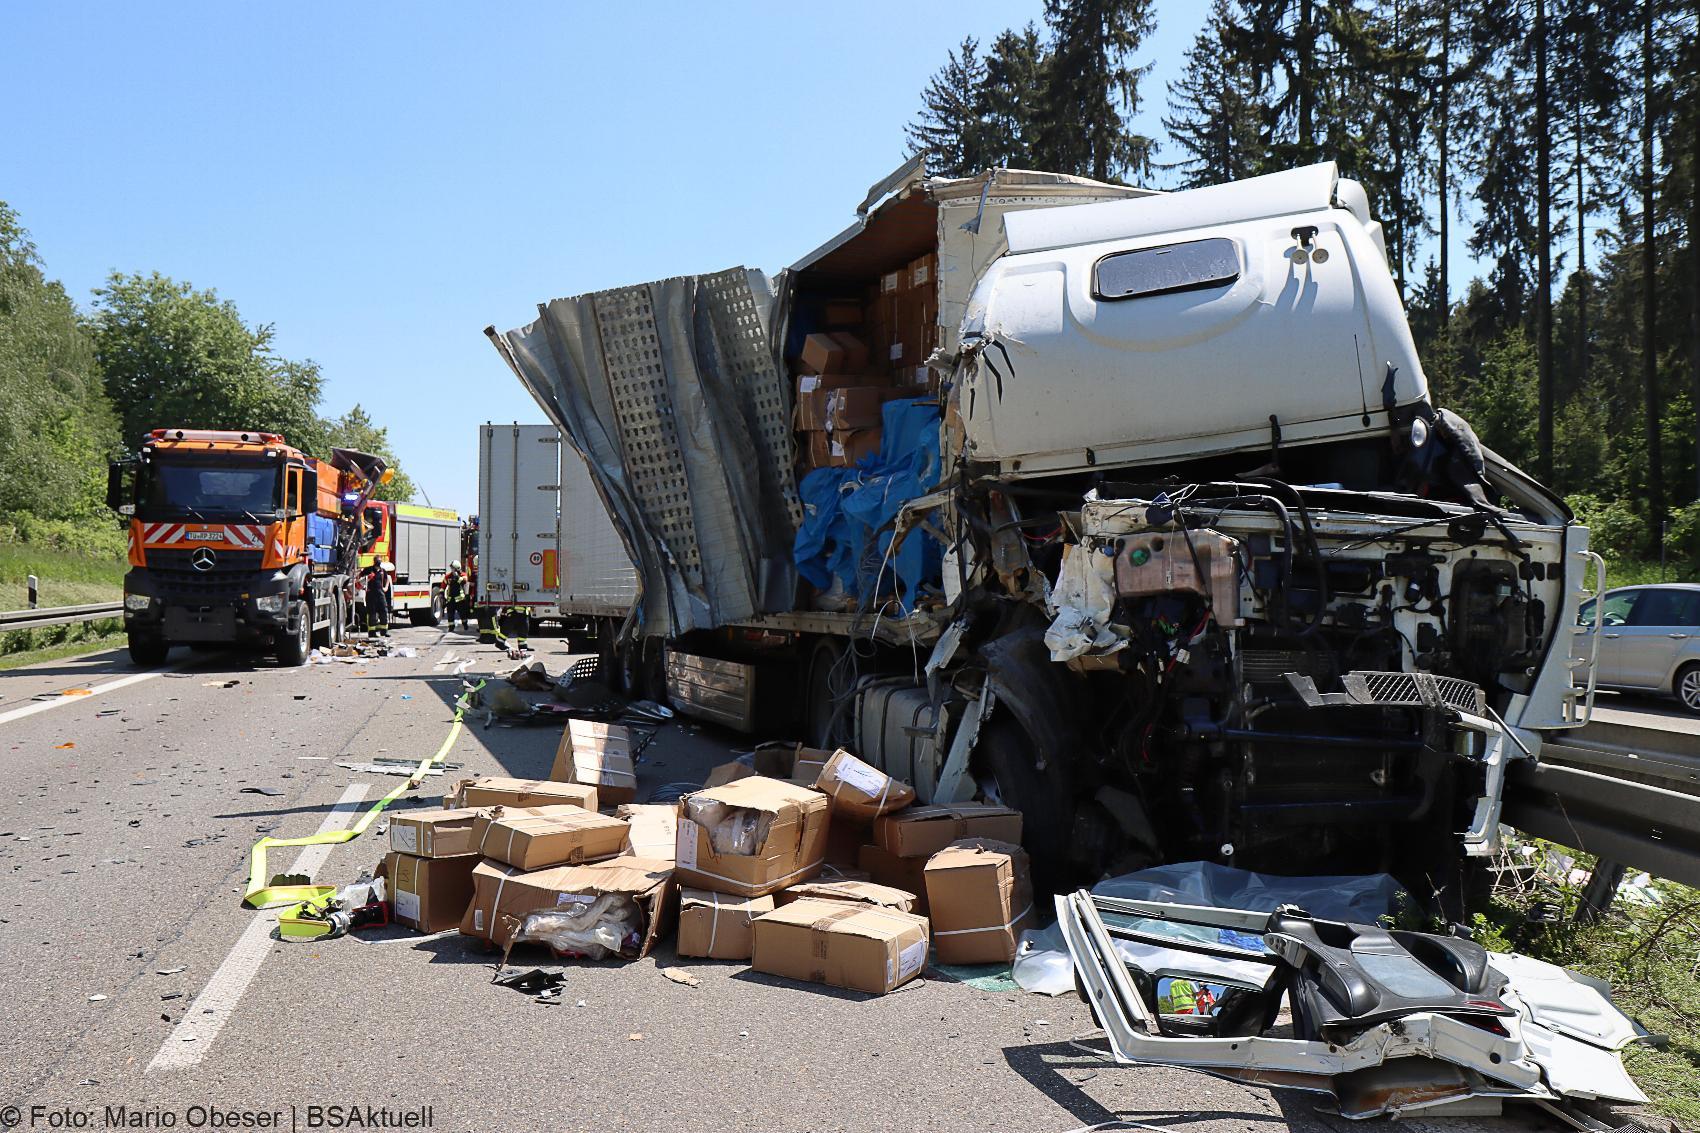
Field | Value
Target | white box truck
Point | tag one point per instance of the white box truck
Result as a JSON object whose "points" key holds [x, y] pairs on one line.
{"points": [[576, 571]]}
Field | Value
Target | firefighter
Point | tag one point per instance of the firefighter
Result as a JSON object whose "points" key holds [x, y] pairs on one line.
{"points": [[454, 595], [380, 589]]}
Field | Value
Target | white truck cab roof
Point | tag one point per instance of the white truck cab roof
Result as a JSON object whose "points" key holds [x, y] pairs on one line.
{"points": [[1179, 325]]}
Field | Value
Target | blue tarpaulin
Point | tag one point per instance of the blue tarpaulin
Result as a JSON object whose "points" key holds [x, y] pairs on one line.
{"points": [[845, 507]]}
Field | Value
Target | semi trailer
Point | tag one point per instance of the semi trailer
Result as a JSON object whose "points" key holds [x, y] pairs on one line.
{"points": [[1162, 539]]}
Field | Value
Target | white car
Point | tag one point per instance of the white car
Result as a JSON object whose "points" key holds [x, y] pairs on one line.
{"points": [[1650, 640]]}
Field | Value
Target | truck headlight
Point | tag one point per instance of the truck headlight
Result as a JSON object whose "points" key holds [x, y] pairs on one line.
{"points": [[1419, 433], [137, 601], [269, 603]]}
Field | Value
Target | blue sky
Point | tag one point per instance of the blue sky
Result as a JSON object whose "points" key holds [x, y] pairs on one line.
{"points": [[382, 181]]}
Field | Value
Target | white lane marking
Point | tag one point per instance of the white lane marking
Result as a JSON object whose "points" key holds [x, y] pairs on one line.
{"points": [[95, 691], [193, 1036]]}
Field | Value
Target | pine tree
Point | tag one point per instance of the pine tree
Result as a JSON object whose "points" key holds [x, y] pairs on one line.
{"points": [[1009, 97], [948, 128], [1092, 88], [1212, 111]]}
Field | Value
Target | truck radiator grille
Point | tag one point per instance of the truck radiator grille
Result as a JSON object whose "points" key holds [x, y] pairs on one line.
{"points": [[1413, 688], [232, 572]]}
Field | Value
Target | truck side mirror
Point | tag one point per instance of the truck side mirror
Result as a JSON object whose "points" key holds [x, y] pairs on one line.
{"points": [[116, 484]]}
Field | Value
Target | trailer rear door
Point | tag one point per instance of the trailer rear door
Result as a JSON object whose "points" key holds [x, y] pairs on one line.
{"points": [[519, 487]]}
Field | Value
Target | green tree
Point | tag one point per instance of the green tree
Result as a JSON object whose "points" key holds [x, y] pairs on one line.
{"points": [[1092, 89], [356, 430], [1009, 97], [1213, 115], [1501, 398], [949, 127], [57, 428], [177, 357]]}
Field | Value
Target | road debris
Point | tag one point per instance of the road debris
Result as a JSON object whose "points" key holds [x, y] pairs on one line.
{"points": [[171, 971], [680, 976], [269, 792]]}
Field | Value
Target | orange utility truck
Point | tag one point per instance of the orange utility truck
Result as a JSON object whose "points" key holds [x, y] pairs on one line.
{"points": [[236, 538]]}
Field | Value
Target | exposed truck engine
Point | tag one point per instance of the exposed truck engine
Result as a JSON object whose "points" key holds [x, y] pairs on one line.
{"points": [[1163, 543]]}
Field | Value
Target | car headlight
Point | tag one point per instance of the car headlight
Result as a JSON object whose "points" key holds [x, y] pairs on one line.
{"points": [[1419, 433], [270, 603], [137, 601]]}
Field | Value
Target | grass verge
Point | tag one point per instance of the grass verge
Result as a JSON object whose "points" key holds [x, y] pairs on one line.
{"points": [[31, 646], [1647, 947], [67, 578]]}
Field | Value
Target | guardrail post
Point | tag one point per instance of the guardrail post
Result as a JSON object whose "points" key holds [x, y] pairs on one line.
{"points": [[35, 590], [1600, 891]]}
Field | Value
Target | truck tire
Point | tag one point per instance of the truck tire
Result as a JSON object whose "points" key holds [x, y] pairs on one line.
{"points": [[820, 728], [292, 649], [146, 650], [1040, 794], [434, 615], [339, 619]]}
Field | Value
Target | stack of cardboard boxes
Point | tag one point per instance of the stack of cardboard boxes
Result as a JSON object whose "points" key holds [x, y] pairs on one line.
{"points": [[870, 353], [744, 866], [902, 322]]}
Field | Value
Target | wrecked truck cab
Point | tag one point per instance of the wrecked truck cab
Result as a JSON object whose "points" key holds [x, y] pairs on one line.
{"points": [[1128, 510]]}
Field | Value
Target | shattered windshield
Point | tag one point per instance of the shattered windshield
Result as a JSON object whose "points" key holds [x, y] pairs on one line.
{"points": [[208, 487]]}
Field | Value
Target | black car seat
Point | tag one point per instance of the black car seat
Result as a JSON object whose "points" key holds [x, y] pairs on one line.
{"points": [[1349, 976]]}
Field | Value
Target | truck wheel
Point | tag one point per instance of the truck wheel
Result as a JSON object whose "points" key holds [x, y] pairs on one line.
{"points": [[435, 614], [147, 650], [293, 649], [339, 623], [819, 707], [1041, 795]]}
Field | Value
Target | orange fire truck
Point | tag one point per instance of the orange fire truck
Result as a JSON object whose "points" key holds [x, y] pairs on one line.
{"points": [[236, 538]]}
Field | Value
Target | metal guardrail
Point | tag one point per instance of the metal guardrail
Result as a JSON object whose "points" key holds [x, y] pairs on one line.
{"points": [[1626, 793], [59, 615]]}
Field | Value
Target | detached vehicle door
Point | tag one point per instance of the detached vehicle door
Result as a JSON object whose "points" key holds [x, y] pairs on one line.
{"points": [[1660, 628]]}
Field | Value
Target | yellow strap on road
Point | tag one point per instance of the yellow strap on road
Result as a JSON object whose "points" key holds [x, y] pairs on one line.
{"points": [[265, 894]]}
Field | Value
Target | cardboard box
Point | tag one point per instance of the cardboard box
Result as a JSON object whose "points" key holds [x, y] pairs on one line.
{"points": [[859, 790], [842, 314], [597, 755], [980, 899], [783, 760], [724, 773], [717, 926], [842, 450], [909, 329], [429, 894], [503, 895], [496, 790], [857, 407], [845, 839], [856, 892], [859, 947], [434, 833], [652, 829], [922, 831], [814, 395], [535, 837], [795, 819], [923, 272], [886, 868], [837, 352]]}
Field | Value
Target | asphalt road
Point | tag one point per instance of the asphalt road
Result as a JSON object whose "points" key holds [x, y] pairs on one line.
{"points": [[124, 832]]}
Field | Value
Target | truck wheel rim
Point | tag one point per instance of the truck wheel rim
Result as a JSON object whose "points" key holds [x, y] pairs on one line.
{"points": [[1689, 689]]}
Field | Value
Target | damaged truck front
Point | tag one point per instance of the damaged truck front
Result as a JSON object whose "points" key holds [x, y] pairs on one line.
{"points": [[1163, 542]]}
